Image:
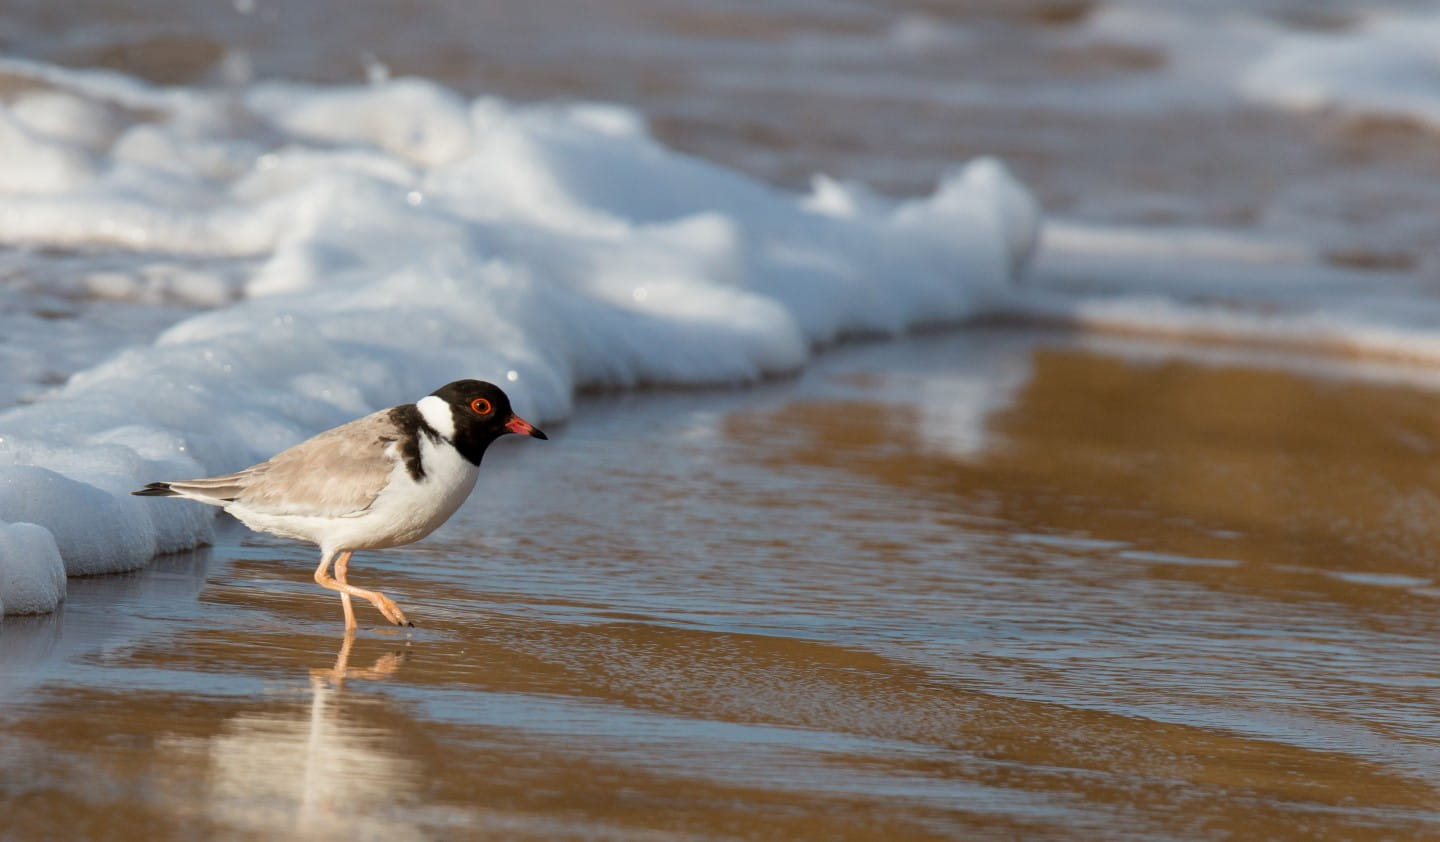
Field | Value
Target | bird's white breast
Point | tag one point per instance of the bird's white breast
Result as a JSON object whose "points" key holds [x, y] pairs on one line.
{"points": [[408, 509]]}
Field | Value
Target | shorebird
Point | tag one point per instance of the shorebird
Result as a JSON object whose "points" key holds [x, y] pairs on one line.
{"points": [[387, 479]]}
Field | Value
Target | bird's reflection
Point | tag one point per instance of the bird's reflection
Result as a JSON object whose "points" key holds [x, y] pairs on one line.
{"points": [[384, 666], [314, 772]]}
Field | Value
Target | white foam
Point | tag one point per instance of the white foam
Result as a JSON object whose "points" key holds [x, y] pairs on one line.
{"points": [[1380, 62], [1385, 66], [1226, 286], [94, 530], [399, 237], [35, 163], [32, 576]]}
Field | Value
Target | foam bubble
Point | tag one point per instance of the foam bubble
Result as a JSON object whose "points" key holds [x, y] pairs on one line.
{"points": [[32, 576]]}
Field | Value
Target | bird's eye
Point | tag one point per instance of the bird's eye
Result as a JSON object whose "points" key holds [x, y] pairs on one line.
{"points": [[481, 406]]}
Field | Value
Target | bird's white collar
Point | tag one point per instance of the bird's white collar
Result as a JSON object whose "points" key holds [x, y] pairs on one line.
{"points": [[438, 414]]}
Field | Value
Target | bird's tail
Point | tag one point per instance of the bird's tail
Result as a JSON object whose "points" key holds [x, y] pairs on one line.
{"points": [[212, 491]]}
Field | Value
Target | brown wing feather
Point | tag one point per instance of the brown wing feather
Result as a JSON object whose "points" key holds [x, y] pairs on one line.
{"points": [[336, 473]]}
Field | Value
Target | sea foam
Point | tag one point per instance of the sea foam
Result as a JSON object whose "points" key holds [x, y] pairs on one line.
{"points": [[1386, 66], [398, 236], [32, 575]]}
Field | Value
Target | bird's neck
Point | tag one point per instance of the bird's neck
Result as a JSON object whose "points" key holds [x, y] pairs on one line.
{"points": [[471, 444]]}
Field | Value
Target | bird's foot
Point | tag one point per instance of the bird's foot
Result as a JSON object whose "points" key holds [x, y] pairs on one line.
{"points": [[392, 612]]}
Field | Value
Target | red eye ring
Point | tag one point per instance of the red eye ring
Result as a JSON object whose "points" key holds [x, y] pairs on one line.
{"points": [[481, 406]]}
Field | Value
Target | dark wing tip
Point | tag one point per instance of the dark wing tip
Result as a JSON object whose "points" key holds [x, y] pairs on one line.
{"points": [[155, 489]]}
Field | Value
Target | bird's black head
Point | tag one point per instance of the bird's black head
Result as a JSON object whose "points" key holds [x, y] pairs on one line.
{"points": [[481, 414]]}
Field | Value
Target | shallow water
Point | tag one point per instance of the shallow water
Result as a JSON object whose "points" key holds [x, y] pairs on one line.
{"points": [[985, 584]]}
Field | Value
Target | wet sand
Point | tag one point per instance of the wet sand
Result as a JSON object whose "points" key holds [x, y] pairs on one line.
{"points": [[989, 584]]}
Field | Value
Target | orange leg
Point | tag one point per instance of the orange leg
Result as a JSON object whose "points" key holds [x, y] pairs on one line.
{"points": [[325, 580], [337, 582]]}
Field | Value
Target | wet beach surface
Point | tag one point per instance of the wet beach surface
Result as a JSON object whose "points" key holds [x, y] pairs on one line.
{"points": [[983, 584]]}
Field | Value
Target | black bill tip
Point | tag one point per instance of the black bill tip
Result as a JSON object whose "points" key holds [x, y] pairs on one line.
{"points": [[516, 424]]}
